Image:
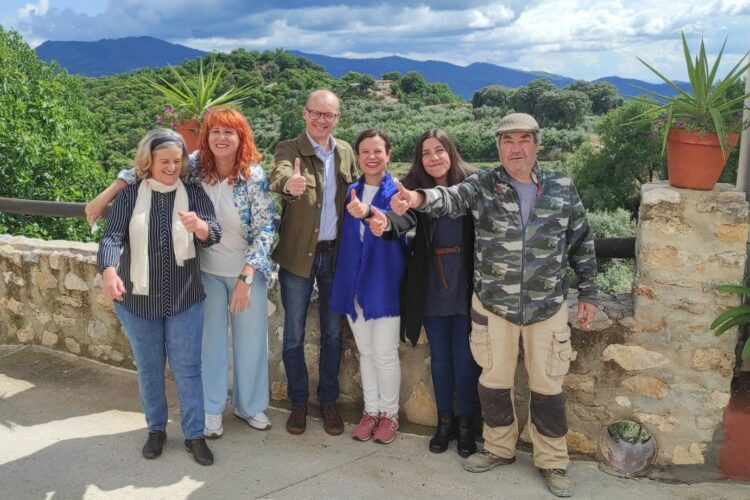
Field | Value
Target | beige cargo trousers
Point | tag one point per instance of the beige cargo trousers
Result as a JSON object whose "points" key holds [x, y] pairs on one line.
{"points": [[547, 355]]}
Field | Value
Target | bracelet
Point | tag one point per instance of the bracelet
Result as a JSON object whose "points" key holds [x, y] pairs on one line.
{"points": [[369, 213]]}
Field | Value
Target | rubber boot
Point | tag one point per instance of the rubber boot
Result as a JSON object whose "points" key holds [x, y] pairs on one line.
{"points": [[446, 430]]}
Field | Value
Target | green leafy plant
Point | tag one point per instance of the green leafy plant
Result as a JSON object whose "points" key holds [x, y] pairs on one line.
{"points": [[710, 107], [50, 142], [734, 316], [191, 98]]}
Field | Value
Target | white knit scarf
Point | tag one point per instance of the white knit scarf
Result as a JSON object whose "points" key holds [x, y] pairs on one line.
{"points": [[182, 241]]}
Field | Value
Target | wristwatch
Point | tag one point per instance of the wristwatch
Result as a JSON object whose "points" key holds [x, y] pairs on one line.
{"points": [[247, 278]]}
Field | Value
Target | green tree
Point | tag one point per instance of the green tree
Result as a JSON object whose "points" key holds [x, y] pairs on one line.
{"points": [[285, 60], [556, 141], [48, 140], [291, 125], [413, 83], [492, 95], [439, 93], [392, 75], [524, 99], [603, 95], [610, 176], [354, 84], [562, 108]]}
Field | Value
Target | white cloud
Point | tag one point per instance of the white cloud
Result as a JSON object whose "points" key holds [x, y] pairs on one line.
{"points": [[734, 7], [30, 9], [579, 38]]}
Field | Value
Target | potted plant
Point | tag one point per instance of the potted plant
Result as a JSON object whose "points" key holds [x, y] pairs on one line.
{"points": [[700, 126], [734, 316], [189, 100]]}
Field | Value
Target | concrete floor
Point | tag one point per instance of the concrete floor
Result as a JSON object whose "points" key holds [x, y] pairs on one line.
{"points": [[72, 428]]}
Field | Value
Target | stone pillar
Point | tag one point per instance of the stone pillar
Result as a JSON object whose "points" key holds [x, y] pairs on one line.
{"points": [[679, 373]]}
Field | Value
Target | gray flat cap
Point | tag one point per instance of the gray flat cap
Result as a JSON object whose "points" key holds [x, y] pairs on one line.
{"points": [[517, 122]]}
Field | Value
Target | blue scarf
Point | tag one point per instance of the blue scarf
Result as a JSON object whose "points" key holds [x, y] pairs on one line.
{"points": [[372, 268]]}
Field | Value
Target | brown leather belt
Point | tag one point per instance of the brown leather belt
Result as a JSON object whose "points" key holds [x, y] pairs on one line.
{"points": [[324, 246], [439, 252]]}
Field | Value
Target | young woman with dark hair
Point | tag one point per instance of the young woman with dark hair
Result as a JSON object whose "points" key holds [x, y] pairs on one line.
{"points": [[436, 292]]}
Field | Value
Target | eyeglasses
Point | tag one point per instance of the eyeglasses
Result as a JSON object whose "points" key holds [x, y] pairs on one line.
{"points": [[315, 115]]}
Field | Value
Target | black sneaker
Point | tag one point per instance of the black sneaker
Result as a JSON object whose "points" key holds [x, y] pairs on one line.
{"points": [[199, 449], [154, 444]]}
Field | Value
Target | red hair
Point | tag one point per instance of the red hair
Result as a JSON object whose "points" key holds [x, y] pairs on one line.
{"points": [[247, 153]]}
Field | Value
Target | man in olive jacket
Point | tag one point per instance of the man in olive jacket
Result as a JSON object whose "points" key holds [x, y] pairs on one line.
{"points": [[311, 173]]}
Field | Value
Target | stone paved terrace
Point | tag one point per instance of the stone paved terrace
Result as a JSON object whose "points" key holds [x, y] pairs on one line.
{"points": [[72, 428]]}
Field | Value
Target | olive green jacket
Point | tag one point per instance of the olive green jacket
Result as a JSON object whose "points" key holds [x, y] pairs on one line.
{"points": [[300, 215]]}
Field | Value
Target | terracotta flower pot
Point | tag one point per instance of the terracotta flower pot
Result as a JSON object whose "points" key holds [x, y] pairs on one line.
{"points": [[189, 130], [695, 161]]}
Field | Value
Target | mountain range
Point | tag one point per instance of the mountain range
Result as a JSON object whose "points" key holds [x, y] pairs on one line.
{"points": [[112, 56], [108, 57]]}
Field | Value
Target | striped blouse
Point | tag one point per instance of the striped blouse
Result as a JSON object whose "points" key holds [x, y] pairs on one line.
{"points": [[172, 289]]}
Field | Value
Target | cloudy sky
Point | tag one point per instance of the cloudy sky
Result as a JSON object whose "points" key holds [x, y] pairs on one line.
{"points": [[576, 38]]}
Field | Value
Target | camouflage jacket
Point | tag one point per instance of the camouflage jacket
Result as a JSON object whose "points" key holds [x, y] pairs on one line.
{"points": [[519, 273]]}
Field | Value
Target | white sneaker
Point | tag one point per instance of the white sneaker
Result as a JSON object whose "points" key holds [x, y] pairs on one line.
{"points": [[212, 428], [259, 421]]}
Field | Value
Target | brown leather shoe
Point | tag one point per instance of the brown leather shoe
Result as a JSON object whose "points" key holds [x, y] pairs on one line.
{"points": [[297, 421], [332, 422]]}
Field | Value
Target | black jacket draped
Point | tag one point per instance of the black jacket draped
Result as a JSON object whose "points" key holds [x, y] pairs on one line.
{"points": [[419, 260]]}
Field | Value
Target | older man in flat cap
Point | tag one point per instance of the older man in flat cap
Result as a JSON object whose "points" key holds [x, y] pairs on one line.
{"points": [[529, 226]]}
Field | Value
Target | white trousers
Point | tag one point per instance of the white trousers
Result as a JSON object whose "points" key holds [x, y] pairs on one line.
{"points": [[379, 366]]}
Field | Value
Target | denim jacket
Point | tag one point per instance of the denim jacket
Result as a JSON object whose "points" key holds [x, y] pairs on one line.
{"points": [[255, 205]]}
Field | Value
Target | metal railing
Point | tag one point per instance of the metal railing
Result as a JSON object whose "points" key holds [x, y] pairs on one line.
{"points": [[606, 248], [43, 208]]}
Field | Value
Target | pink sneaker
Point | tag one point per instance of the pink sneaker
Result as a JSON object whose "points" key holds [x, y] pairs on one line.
{"points": [[365, 428], [387, 427]]}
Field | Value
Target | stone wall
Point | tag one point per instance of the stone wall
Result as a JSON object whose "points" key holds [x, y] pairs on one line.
{"points": [[659, 363], [649, 357], [51, 296]]}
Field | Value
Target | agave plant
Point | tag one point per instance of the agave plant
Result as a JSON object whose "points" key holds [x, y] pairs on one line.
{"points": [[709, 107], [192, 98], [734, 316]]}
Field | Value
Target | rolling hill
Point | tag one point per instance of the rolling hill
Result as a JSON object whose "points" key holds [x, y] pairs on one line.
{"points": [[108, 57]]}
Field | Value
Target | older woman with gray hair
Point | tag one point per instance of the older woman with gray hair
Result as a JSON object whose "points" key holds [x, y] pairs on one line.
{"points": [[147, 259]]}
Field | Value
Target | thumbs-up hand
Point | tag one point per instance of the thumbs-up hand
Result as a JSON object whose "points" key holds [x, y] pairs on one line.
{"points": [[400, 202], [378, 222], [296, 184], [356, 208]]}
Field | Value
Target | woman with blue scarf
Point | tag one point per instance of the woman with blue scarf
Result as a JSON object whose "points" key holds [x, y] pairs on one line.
{"points": [[366, 285]]}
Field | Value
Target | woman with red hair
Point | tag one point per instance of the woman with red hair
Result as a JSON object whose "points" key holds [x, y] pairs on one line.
{"points": [[235, 271]]}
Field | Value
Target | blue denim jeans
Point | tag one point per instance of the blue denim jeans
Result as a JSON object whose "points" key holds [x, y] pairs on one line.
{"points": [[295, 297], [249, 347], [452, 364], [177, 338]]}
